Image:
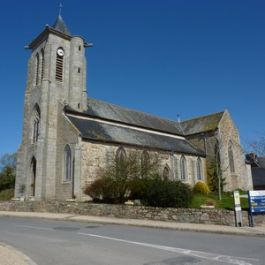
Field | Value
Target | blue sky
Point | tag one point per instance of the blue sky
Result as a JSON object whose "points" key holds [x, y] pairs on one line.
{"points": [[165, 57]]}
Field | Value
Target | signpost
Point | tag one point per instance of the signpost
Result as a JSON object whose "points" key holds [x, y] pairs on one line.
{"points": [[238, 211], [256, 200]]}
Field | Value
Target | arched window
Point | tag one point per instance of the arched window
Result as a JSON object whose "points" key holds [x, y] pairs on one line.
{"points": [[199, 169], [120, 155], [42, 64], [67, 163], [231, 158], [36, 123], [59, 65], [183, 168], [37, 67], [193, 169], [166, 173], [145, 163], [120, 161], [176, 167]]}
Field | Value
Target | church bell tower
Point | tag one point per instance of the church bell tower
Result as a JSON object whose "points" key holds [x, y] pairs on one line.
{"points": [[56, 77], [58, 57]]}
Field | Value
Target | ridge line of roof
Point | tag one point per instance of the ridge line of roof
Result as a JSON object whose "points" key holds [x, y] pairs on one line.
{"points": [[141, 112], [69, 109], [203, 116]]}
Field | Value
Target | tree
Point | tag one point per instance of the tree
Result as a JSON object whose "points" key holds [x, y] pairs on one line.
{"points": [[8, 160], [116, 180], [258, 146], [7, 171], [214, 172], [7, 178], [215, 180]]}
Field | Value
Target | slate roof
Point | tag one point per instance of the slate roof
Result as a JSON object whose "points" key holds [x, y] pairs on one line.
{"points": [[59, 28], [261, 161], [59, 25], [201, 124], [256, 161], [98, 131], [258, 176], [107, 111]]}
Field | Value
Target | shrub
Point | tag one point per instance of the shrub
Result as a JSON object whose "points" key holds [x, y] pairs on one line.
{"points": [[210, 202], [201, 187], [107, 190], [139, 186], [7, 178], [101, 190], [6, 195], [166, 193]]}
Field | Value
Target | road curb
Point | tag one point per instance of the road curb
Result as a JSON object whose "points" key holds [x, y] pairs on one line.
{"points": [[168, 225], [217, 229]]}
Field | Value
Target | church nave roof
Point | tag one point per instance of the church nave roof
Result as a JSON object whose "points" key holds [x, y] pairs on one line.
{"points": [[103, 132], [108, 111]]}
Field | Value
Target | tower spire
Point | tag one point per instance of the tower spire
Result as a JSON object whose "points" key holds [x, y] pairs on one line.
{"points": [[59, 23]]}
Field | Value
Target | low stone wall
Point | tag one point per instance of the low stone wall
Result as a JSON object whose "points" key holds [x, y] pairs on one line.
{"points": [[201, 216]]}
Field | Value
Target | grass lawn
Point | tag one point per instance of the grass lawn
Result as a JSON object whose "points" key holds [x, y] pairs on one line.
{"points": [[6, 195], [227, 201]]}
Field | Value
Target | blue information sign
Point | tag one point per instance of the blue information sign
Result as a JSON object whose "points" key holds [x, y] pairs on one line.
{"points": [[257, 201]]}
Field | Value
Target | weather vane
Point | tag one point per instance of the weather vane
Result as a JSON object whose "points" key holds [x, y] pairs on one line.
{"points": [[60, 8]]}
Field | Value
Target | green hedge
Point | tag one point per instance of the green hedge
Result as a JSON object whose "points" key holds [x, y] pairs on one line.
{"points": [[166, 193], [152, 192]]}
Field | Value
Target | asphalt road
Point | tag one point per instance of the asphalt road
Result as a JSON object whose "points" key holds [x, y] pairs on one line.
{"points": [[70, 243]]}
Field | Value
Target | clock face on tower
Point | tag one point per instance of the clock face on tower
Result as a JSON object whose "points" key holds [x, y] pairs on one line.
{"points": [[60, 52]]}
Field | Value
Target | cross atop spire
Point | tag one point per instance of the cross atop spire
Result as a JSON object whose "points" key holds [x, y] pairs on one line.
{"points": [[59, 23], [60, 8]]}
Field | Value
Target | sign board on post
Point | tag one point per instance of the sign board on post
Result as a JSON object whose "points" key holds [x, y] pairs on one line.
{"points": [[238, 212], [256, 200]]}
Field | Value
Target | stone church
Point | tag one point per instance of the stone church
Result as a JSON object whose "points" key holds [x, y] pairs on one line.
{"points": [[68, 137]]}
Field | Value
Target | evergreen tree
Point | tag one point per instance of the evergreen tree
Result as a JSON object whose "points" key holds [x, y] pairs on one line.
{"points": [[214, 174]]}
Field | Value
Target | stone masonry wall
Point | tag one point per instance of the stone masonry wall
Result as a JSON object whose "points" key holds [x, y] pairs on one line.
{"points": [[66, 135], [228, 134], [96, 156], [225, 135], [201, 216]]}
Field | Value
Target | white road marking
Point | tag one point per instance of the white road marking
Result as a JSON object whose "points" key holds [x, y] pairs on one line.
{"points": [[200, 254]]}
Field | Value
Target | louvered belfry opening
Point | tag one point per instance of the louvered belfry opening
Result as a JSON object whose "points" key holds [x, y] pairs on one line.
{"points": [[59, 68], [37, 69], [42, 64]]}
